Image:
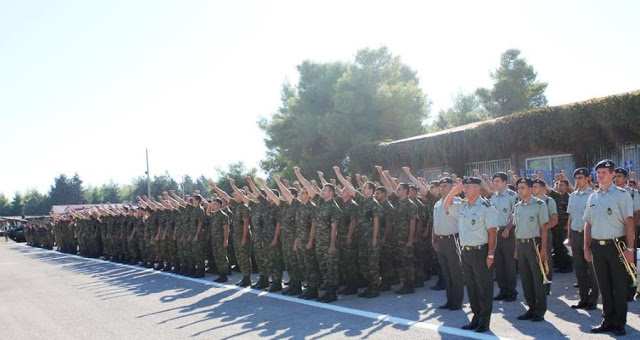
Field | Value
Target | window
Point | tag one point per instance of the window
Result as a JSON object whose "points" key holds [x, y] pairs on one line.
{"points": [[549, 166]]}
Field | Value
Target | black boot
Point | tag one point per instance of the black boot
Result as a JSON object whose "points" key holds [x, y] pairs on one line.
{"points": [[199, 273], [407, 288], [329, 296], [276, 286], [177, 269], [371, 292], [245, 282], [262, 283], [310, 293], [440, 284], [221, 279], [287, 291], [385, 286], [297, 288]]}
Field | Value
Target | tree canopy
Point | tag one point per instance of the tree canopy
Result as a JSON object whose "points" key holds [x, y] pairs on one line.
{"points": [[515, 87], [337, 105]]}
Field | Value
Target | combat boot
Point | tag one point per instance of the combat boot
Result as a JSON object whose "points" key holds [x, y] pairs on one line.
{"points": [[289, 289], [245, 282], [276, 286], [371, 292], [262, 283], [407, 288], [221, 279], [310, 293], [297, 288], [329, 296], [385, 286], [199, 273]]}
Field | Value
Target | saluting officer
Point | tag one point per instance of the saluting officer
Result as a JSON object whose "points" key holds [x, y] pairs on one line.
{"points": [[587, 283], [477, 228], [531, 218], [608, 219], [445, 235]]}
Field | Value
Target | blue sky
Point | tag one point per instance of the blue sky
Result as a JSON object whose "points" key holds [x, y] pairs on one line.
{"points": [[86, 86]]}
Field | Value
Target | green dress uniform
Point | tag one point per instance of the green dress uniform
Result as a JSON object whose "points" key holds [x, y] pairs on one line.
{"points": [[505, 264], [585, 273], [474, 222], [529, 218], [606, 211], [552, 208], [445, 228]]}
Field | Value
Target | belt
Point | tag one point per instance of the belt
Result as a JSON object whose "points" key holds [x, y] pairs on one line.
{"points": [[447, 236], [578, 231], [605, 242], [480, 247], [528, 240]]}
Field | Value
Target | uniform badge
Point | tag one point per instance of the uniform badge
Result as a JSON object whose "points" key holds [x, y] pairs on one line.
{"points": [[504, 209], [609, 212], [473, 222], [530, 218]]}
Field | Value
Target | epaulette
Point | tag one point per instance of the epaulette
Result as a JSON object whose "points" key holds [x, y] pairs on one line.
{"points": [[486, 203], [540, 201], [511, 193]]}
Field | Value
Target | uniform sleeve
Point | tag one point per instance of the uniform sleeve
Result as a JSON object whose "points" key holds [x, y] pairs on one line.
{"points": [[543, 213], [572, 205], [378, 210], [587, 211], [626, 206], [351, 210], [553, 208], [454, 210], [490, 217], [245, 212], [336, 214]]}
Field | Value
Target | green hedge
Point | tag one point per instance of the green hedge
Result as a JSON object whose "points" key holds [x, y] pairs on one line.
{"points": [[583, 129]]}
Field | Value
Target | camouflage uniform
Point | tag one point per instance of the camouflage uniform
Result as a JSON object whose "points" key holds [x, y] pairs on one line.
{"points": [[387, 249], [306, 257], [271, 216], [217, 221], [259, 241], [198, 216], [406, 210], [348, 253], [287, 237], [326, 214], [242, 252], [420, 245], [369, 255]]}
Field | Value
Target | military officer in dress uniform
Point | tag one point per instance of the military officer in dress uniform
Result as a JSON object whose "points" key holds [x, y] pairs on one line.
{"points": [[445, 241], [609, 219], [503, 200], [531, 218], [477, 221], [587, 283]]}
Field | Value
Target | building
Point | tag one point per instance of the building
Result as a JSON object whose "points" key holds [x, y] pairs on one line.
{"points": [[548, 139]]}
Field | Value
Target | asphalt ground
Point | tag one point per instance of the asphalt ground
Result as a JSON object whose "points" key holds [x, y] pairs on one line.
{"points": [[59, 296]]}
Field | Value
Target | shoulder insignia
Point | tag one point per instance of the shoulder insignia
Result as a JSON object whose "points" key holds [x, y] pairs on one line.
{"points": [[486, 204], [540, 201]]}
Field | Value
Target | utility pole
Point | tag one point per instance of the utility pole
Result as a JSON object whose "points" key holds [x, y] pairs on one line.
{"points": [[148, 176]]}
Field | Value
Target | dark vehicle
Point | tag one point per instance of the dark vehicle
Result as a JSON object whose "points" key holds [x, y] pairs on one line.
{"points": [[17, 234]]}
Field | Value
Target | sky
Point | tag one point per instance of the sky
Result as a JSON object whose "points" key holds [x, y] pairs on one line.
{"points": [[87, 86]]}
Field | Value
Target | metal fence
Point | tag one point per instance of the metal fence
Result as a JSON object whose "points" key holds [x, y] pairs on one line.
{"points": [[432, 174], [489, 167]]}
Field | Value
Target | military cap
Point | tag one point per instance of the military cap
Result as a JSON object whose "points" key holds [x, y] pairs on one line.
{"points": [[632, 181], [606, 163], [540, 181], [198, 197], [435, 183], [580, 171], [622, 171], [502, 176], [525, 180], [446, 180], [472, 180]]}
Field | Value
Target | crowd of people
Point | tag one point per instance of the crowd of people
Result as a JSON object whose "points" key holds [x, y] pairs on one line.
{"points": [[356, 236]]}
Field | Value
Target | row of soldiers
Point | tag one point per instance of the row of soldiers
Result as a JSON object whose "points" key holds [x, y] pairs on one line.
{"points": [[369, 235]]}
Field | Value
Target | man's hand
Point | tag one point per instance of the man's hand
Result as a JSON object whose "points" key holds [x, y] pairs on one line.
{"points": [[332, 249], [569, 243], [408, 244], [274, 243], [588, 256], [243, 241], [309, 245], [629, 256], [348, 240], [489, 262], [505, 233]]}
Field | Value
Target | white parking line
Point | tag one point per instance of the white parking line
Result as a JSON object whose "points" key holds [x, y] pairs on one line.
{"points": [[333, 307]]}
